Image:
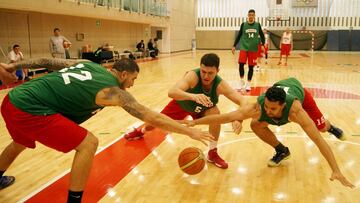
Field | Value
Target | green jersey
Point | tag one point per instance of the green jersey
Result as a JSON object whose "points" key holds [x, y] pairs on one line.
{"points": [[70, 92], [294, 90], [191, 106], [250, 36]]}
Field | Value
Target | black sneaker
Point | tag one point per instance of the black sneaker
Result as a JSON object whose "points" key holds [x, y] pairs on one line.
{"points": [[6, 181], [279, 157], [337, 132]]}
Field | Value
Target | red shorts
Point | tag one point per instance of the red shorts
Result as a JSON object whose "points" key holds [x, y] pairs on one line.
{"points": [[312, 110], [249, 55], [285, 49], [54, 131], [174, 111]]}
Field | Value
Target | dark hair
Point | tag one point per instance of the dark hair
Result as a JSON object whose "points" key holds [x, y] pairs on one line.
{"points": [[126, 64], [16, 45], [211, 60], [56, 29], [275, 94], [251, 11]]}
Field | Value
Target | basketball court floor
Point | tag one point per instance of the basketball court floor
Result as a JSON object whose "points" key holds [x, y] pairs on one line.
{"points": [[147, 170]]}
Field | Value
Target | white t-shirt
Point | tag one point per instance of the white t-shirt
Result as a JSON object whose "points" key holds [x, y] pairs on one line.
{"points": [[286, 38], [57, 44], [15, 57]]}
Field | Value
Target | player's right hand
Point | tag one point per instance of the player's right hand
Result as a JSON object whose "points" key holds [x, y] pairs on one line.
{"points": [[201, 136], [202, 99], [233, 50]]}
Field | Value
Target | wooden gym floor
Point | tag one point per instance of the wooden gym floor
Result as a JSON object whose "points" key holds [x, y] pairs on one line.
{"points": [[147, 170]]}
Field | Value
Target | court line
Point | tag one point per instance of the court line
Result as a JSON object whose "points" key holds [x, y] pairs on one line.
{"points": [[100, 149], [110, 165], [284, 136]]}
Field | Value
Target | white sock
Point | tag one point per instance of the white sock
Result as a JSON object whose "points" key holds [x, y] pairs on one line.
{"points": [[212, 145]]}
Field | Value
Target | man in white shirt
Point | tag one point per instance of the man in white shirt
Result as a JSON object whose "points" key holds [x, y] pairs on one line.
{"points": [[286, 44], [16, 55], [57, 43]]}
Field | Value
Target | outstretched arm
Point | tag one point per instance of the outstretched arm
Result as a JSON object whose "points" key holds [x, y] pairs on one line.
{"points": [[248, 111], [225, 89], [298, 115], [49, 63], [115, 96]]}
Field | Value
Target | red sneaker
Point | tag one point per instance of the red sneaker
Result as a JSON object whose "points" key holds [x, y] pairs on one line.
{"points": [[136, 134], [213, 157]]}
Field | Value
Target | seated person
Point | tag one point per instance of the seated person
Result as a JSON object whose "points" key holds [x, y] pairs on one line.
{"points": [[141, 47], [16, 55], [152, 51]]}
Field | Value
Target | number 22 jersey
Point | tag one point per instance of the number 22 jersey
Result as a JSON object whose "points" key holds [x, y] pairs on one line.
{"points": [[70, 91]]}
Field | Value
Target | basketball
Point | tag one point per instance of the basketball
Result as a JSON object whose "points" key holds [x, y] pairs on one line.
{"points": [[191, 160], [66, 44]]}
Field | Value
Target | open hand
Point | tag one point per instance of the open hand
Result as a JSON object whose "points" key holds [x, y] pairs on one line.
{"points": [[340, 177], [202, 99], [201, 136]]}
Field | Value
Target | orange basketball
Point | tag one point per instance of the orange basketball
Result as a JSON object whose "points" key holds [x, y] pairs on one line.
{"points": [[191, 160], [66, 44]]}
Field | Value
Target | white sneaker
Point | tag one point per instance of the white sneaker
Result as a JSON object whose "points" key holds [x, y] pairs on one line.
{"points": [[247, 86]]}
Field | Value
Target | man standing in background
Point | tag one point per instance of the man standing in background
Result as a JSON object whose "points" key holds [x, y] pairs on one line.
{"points": [[286, 44], [249, 40], [57, 43]]}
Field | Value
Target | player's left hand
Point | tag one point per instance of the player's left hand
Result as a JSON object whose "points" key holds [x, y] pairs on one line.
{"points": [[340, 177], [237, 127]]}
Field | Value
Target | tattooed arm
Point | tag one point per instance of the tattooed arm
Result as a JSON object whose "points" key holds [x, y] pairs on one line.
{"points": [[114, 96], [49, 63]]}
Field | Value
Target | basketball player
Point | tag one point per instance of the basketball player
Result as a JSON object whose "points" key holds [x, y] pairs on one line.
{"points": [[286, 45], [284, 102], [249, 40], [197, 94], [48, 110]]}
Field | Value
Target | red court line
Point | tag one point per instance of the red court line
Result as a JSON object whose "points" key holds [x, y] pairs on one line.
{"points": [[316, 92], [109, 167]]}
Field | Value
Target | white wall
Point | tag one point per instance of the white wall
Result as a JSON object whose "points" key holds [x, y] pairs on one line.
{"points": [[328, 15]]}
